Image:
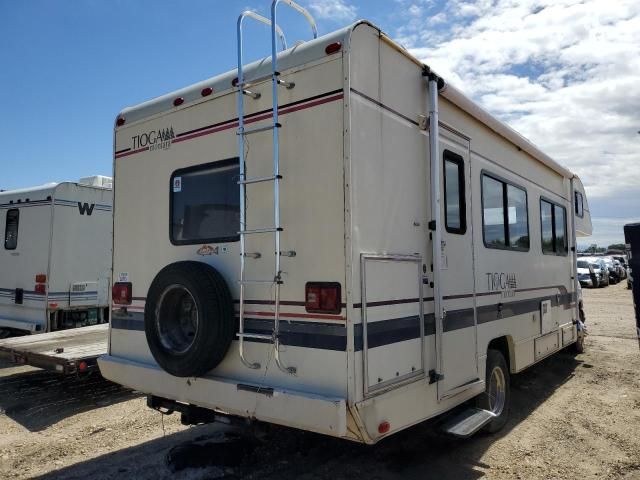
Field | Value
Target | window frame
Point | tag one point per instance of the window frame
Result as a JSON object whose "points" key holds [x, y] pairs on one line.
{"points": [[554, 205], [194, 168], [6, 227], [505, 212], [449, 156], [576, 195]]}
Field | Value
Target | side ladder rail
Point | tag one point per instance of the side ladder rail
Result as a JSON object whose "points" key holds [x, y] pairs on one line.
{"points": [[276, 170], [242, 180]]}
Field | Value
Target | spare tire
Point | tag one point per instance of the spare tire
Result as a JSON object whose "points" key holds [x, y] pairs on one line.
{"points": [[189, 318]]}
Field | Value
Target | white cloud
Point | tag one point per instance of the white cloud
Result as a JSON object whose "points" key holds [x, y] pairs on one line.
{"points": [[338, 10], [565, 73]]}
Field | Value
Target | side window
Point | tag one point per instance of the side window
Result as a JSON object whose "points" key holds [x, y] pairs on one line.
{"points": [[553, 221], [518, 217], [546, 221], [455, 208], [205, 203], [560, 215], [579, 204], [505, 220], [493, 212], [11, 229]]}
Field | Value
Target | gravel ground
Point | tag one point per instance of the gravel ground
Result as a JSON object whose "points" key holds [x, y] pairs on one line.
{"points": [[572, 417]]}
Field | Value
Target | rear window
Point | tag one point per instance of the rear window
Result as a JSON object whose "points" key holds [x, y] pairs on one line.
{"points": [[205, 203], [11, 229]]}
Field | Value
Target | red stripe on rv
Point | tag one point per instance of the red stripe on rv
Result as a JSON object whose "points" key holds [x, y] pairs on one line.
{"points": [[234, 123]]}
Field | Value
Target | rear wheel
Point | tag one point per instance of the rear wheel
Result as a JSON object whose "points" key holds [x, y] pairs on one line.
{"points": [[497, 396]]}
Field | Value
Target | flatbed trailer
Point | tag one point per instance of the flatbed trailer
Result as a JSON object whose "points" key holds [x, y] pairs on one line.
{"points": [[68, 352]]}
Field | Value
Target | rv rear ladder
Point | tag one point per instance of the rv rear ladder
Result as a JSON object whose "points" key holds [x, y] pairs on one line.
{"points": [[243, 182]]}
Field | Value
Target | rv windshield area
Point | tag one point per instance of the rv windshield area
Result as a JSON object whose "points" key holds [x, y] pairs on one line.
{"points": [[205, 203]]}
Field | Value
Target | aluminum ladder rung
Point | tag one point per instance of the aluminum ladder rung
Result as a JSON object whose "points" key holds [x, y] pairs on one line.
{"points": [[262, 336], [249, 131], [249, 181], [251, 282], [260, 230]]}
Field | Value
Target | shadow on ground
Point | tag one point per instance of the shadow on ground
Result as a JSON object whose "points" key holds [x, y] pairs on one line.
{"points": [[37, 399], [417, 453]]}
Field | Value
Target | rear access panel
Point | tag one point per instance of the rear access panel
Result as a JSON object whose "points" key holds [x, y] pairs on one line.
{"points": [[392, 320]]}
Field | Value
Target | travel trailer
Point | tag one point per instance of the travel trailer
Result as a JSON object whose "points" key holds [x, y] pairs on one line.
{"points": [[336, 240], [56, 258]]}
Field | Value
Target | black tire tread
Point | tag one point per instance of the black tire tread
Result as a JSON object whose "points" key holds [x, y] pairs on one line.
{"points": [[215, 305]]}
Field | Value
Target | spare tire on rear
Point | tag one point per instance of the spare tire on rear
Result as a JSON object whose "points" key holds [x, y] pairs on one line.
{"points": [[189, 318]]}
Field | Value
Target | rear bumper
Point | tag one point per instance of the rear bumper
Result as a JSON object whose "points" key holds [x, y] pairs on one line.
{"points": [[21, 325], [289, 408]]}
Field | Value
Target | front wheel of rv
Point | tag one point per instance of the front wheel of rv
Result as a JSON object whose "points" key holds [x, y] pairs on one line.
{"points": [[189, 321], [497, 396]]}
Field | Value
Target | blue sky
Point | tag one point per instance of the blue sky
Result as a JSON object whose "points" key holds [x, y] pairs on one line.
{"points": [[563, 72]]}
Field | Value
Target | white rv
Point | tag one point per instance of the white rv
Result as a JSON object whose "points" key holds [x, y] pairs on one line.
{"points": [[55, 260], [371, 253]]}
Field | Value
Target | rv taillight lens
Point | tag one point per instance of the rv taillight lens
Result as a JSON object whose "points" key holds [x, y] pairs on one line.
{"points": [[40, 288], [41, 278], [333, 48], [120, 121], [178, 101], [121, 293], [322, 297], [206, 91]]}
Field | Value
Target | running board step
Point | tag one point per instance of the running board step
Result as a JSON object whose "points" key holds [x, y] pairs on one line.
{"points": [[468, 422]]}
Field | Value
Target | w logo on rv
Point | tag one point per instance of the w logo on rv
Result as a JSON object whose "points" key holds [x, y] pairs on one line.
{"points": [[159, 139], [85, 208]]}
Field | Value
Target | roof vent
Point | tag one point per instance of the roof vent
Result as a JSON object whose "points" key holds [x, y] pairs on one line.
{"points": [[97, 181]]}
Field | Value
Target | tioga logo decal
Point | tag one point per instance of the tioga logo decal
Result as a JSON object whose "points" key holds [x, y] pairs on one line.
{"points": [[207, 250], [154, 140]]}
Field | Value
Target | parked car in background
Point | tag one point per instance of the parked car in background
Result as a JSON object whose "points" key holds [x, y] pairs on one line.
{"points": [[622, 271], [586, 274], [614, 274], [601, 269], [624, 263]]}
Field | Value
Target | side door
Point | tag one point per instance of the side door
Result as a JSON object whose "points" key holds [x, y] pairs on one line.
{"points": [[457, 333]]}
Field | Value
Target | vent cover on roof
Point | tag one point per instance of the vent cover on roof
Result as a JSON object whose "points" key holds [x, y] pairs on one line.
{"points": [[97, 181]]}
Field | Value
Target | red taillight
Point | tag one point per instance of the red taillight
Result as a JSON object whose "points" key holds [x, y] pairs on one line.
{"points": [[384, 427], [206, 91], [322, 297], [41, 288], [121, 293], [41, 278], [178, 101], [82, 366], [332, 48], [120, 121]]}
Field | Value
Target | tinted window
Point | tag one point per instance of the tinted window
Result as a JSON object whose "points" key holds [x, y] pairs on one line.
{"points": [[553, 222], [518, 219], [579, 204], [504, 215], [546, 220], [561, 230], [583, 264], [205, 203], [11, 229], [454, 199], [493, 212]]}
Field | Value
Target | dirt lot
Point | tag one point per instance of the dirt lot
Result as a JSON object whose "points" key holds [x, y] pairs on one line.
{"points": [[573, 417]]}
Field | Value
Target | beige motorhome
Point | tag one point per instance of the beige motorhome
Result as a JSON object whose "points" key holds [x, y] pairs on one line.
{"points": [[335, 239]]}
